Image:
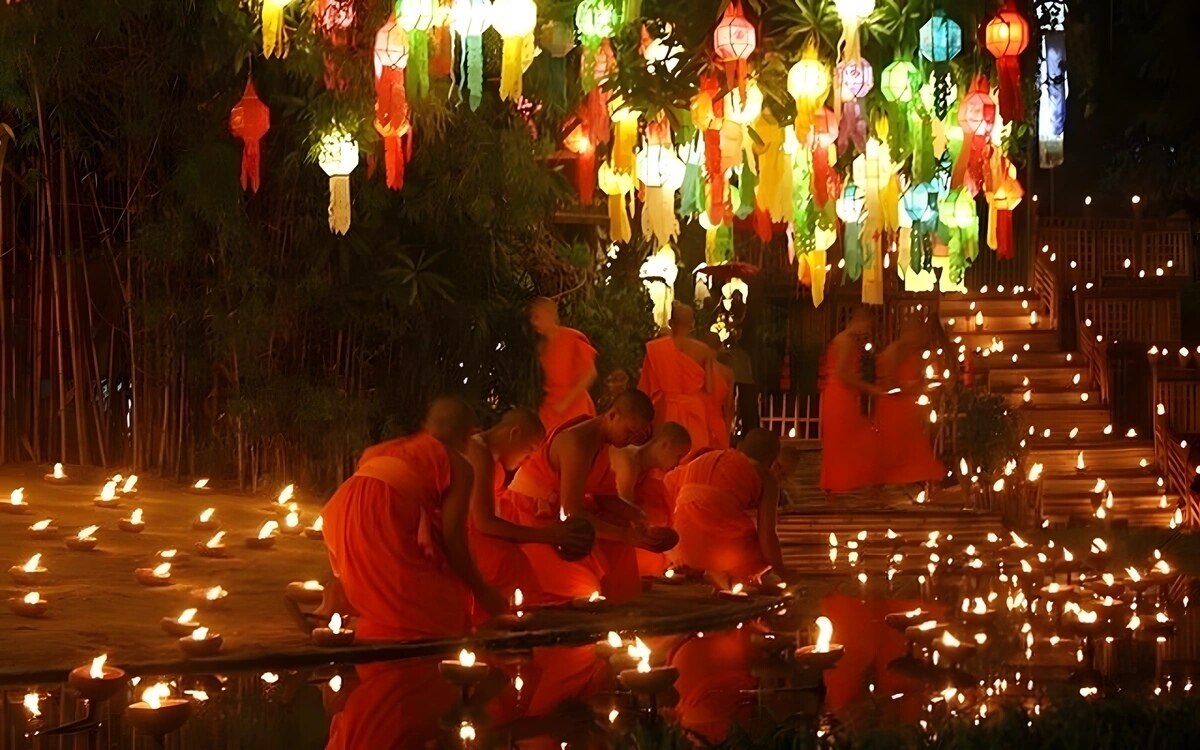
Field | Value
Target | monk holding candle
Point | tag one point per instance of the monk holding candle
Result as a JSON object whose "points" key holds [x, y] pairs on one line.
{"points": [[725, 506], [639, 472], [493, 540], [568, 363], [676, 376], [849, 442], [900, 420], [396, 533], [570, 476]]}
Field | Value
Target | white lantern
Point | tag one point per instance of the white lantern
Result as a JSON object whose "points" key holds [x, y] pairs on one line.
{"points": [[744, 110], [415, 15], [515, 21], [338, 157]]}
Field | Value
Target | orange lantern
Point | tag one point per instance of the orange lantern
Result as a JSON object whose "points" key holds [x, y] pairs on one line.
{"points": [[249, 121], [1006, 37], [391, 103], [734, 40], [1001, 204], [977, 116], [579, 143]]}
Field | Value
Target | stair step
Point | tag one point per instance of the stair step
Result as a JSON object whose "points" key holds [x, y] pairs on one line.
{"points": [[1014, 342], [1101, 461], [1042, 378], [951, 307], [1063, 418], [1025, 360], [1048, 397], [999, 325]]}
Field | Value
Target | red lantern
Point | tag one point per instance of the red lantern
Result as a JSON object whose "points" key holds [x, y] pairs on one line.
{"points": [[1006, 37], [249, 121], [734, 40], [977, 116], [391, 104], [825, 133], [334, 18]]}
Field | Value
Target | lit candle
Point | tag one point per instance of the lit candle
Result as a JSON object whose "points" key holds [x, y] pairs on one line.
{"points": [[305, 592], [134, 524], [200, 487], [16, 502], [96, 682], [285, 495], [214, 547], [317, 530], [266, 536], [201, 643], [43, 530], [334, 635], [211, 595], [183, 625], [157, 713], [29, 573], [83, 541], [30, 605], [291, 522], [157, 576], [206, 521], [130, 485], [108, 496], [56, 474]]}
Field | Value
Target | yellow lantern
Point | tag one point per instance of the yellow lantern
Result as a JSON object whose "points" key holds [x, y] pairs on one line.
{"points": [[618, 186], [274, 33], [808, 82], [515, 21], [625, 132], [852, 13], [338, 157], [745, 108], [661, 171]]}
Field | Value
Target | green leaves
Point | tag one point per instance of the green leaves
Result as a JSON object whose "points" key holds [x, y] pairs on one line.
{"points": [[415, 280]]}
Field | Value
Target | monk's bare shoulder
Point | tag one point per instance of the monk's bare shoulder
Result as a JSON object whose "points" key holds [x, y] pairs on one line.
{"points": [[459, 466], [477, 454], [695, 349]]}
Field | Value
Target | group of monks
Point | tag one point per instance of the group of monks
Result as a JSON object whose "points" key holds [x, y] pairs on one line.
{"points": [[436, 531], [890, 446]]}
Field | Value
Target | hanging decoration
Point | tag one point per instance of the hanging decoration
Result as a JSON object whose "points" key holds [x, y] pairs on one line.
{"points": [[416, 18], [734, 41], [1007, 36], [920, 204], [852, 209], [855, 79], [1052, 81], [977, 116], [515, 21], [249, 121], [578, 143], [391, 103], [660, 171], [468, 20], [595, 20], [1001, 203], [274, 32], [900, 84], [941, 41], [658, 274], [334, 18], [808, 82], [338, 157], [618, 186], [852, 13]]}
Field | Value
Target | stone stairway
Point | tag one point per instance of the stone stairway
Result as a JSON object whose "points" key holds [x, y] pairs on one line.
{"points": [[1068, 430]]}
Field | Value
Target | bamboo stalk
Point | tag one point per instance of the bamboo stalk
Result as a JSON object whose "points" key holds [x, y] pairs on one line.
{"points": [[81, 390]]}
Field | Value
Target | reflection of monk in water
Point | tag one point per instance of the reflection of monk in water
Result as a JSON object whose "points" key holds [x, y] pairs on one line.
{"points": [[568, 363], [675, 375]]}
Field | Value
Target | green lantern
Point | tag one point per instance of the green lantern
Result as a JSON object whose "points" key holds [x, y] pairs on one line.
{"points": [[595, 21], [900, 82]]}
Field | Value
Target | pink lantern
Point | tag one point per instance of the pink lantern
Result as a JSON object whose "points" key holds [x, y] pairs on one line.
{"points": [[734, 41]]}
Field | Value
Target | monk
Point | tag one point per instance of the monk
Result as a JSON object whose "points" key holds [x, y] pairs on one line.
{"points": [[725, 507], [849, 443], [719, 403], [494, 541], [396, 533], [570, 476], [676, 377], [905, 456], [639, 472], [568, 363]]}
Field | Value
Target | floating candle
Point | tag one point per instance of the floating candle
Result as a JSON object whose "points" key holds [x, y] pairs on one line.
{"points": [[134, 524], [30, 605], [16, 502], [83, 540], [108, 495]]}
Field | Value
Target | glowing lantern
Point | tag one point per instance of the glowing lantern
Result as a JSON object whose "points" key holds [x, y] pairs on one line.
{"points": [[855, 79], [899, 82], [745, 108], [977, 117], [808, 83], [274, 33], [578, 143], [333, 19], [391, 100], [595, 20], [515, 21], [658, 274], [852, 13], [416, 18], [920, 203], [618, 186], [249, 121], [338, 157], [734, 41], [1006, 37], [661, 172], [468, 20], [1001, 203], [941, 41], [851, 209], [824, 136]]}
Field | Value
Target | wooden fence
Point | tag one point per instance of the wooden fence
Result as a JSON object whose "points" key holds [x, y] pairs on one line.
{"points": [[1176, 420], [1103, 250]]}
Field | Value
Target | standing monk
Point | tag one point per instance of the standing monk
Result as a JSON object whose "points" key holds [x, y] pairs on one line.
{"points": [[396, 533], [720, 398], [676, 376], [639, 472], [568, 363], [725, 505], [849, 442], [901, 421], [570, 476], [493, 540]]}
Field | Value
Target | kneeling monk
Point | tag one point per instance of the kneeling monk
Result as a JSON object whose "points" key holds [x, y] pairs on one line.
{"points": [[639, 472], [396, 533], [715, 496], [570, 476], [493, 540]]}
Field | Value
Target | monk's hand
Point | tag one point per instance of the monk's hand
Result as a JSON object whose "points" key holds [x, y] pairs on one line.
{"points": [[573, 537], [659, 539]]}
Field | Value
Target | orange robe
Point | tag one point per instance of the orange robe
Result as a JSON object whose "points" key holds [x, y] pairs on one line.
{"points": [[370, 718], [716, 497], [905, 456], [650, 494], [715, 682], [500, 562], [717, 403], [383, 535], [566, 357], [675, 383], [848, 439], [532, 499]]}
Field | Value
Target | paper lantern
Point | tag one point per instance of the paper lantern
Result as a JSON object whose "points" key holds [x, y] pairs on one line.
{"points": [[661, 171], [852, 13], [1001, 204], [920, 204], [274, 32], [854, 78], [658, 274], [595, 20], [249, 121], [851, 208], [391, 102], [468, 20], [956, 209], [515, 21], [745, 108], [334, 18], [808, 82], [618, 186], [1006, 37], [941, 38], [578, 143], [900, 82], [338, 157], [734, 41], [825, 132], [977, 112], [416, 18]]}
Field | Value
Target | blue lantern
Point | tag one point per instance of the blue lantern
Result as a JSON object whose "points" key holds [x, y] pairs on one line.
{"points": [[920, 202], [941, 38]]}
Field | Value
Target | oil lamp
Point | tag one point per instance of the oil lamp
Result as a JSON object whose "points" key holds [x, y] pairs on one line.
{"points": [[824, 653], [291, 522], [129, 487], [212, 596], [465, 671], [334, 635], [83, 541], [30, 605], [316, 532], [952, 649], [56, 475], [737, 592], [134, 524], [108, 496], [266, 536], [305, 592], [43, 529], [214, 547], [96, 682], [285, 495], [201, 643], [31, 572], [16, 503], [156, 576], [183, 625], [157, 713], [206, 521], [200, 487]]}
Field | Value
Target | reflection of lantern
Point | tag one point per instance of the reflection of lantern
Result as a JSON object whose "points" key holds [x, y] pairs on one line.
{"points": [[734, 40], [941, 41], [1007, 36], [391, 103], [852, 13], [468, 20], [274, 33], [899, 82], [661, 172], [338, 157], [855, 79], [851, 209], [808, 82], [658, 274], [515, 21], [249, 121]]}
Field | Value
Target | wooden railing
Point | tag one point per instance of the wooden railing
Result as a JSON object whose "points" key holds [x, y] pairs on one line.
{"points": [[1093, 347], [791, 416], [1045, 284], [1176, 418], [1144, 317], [1098, 249]]}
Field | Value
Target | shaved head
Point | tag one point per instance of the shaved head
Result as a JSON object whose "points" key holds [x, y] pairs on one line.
{"points": [[450, 419], [673, 433], [634, 404], [543, 304], [761, 446], [683, 318], [526, 421], [543, 315]]}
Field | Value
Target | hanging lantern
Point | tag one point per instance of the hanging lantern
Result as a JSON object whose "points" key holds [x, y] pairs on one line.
{"points": [[823, 142], [391, 102], [957, 212], [625, 132], [578, 143], [941, 41], [338, 157], [661, 172], [734, 41], [1052, 82], [334, 18], [1001, 204], [416, 18], [468, 20], [852, 13], [618, 186], [595, 20], [809, 83], [1006, 37], [851, 209], [920, 204], [691, 200], [658, 274], [249, 121], [274, 32], [855, 79], [515, 21], [899, 82], [977, 117]]}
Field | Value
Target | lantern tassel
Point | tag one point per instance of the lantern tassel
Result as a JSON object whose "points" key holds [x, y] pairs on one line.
{"points": [[274, 37], [339, 204], [512, 68], [395, 159], [852, 251], [816, 264], [417, 72], [1012, 104], [251, 166], [716, 176], [474, 64]]}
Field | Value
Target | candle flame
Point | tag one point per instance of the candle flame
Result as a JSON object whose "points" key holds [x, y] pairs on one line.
{"points": [[215, 593], [207, 514], [31, 704], [927, 625], [58, 472], [669, 573], [153, 696], [215, 542], [130, 484], [32, 597], [1162, 567], [86, 532], [17, 497], [466, 658], [980, 606], [40, 525], [109, 491], [614, 639], [1035, 472], [738, 588], [168, 554], [292, 520], [318, 524], [335, 623], [1101, 485], [199, 634], [824, 635], [135, 517], [1099, 546], [518, 597], [335, 683], [163, 571], [200, 484], [1067, 556], [595, 597], [1079, 464], [1087, 617], [1133, 574], [1052, 588], [268, 528], [949, 640], [32, 564], [1135, 622], [1109, 579], [185, 617], [313, 586], [285, 495], [96, 671]]}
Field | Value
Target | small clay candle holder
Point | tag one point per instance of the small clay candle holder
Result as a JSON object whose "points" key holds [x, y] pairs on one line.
{"points": [[978, 619], [312, 532], [147, 577], [302, 593], [656, 680], [1098, 587], [219, 551], [464, 675], [954, 654], [16, 509], [329, 638], [49, 531], [592, 603], [171, 714], [296, 530], [96, 689], [24, 577], [57, 476], [205, 596], [87, 544], [209, 645], [902, 621], [100, 502], [127, 524], [172, 626], [926, 636], [255, 542], [22, 607], [808, 656], [737, 594], [1059, 593], [196, 488]]}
